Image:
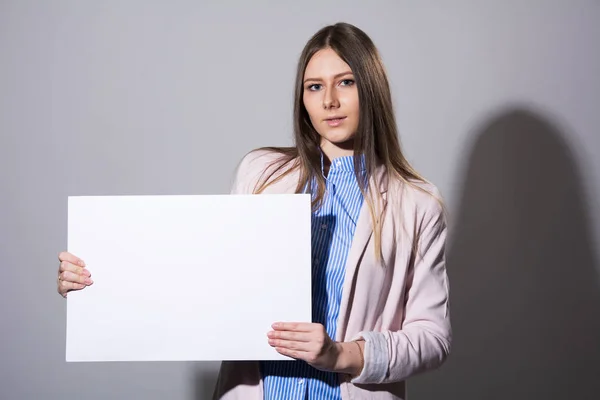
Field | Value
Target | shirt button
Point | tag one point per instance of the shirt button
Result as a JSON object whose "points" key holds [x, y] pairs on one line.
{"points": [[324, 226], [300, 381]]}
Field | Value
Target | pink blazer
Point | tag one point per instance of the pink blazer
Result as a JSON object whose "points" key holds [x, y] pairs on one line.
{"points": [[400, 309]]}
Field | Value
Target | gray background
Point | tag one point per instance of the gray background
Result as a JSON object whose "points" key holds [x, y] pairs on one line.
{"points": [[498, 103]]}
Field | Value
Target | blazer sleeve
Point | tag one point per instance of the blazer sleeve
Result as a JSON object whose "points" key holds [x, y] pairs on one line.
{"points": [[425, 339]]}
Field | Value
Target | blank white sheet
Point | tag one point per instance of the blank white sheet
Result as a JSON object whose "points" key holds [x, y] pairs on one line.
{"points": [[187, 278]]}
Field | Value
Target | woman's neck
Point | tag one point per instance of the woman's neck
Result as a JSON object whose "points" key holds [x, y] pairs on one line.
{"points": [[333, 151]]}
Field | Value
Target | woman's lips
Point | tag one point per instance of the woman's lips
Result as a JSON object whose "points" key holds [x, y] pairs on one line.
{"points": [[337, 121]]}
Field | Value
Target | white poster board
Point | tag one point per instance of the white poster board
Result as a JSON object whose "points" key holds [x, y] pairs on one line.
{"points": [[180, 278]]}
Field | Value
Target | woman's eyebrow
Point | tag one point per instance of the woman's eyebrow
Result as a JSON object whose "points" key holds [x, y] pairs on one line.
{"points": [[335, 76]]}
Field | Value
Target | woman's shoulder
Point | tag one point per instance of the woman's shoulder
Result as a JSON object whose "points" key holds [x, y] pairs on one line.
{"points": [[259, 159], [423, 190], [255, 164], [420, 197]]}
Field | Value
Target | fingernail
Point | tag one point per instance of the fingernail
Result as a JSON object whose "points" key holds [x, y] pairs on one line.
{"points": [[81, 263], [86, 272], [88, 281]]}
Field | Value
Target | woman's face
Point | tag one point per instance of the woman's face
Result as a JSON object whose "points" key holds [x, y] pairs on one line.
{"points": [[331, 100]]}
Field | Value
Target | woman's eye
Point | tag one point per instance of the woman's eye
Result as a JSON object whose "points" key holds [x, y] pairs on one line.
{"points": [[347, 82], [315, 86]]}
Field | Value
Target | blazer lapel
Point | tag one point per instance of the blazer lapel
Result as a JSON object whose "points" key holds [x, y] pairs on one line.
{"points": [[362, 234]]}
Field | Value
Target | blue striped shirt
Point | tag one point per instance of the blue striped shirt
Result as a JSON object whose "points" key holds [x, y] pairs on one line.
{"points": [[333, 227]]}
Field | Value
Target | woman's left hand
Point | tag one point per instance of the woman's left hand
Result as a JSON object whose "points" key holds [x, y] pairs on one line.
{"points": [[305, 341]]}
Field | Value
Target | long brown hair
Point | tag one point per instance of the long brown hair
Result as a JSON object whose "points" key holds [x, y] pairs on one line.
{"points": [[376, 137]]}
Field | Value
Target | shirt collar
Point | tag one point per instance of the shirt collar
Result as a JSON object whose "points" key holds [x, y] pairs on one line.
{"points": [[342, 164]]}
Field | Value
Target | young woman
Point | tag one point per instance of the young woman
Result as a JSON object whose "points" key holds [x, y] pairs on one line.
{"points": [[380, 288]]}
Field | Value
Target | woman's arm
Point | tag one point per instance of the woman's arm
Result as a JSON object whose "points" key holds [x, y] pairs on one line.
{"points": [[425, 339], [382, 357], [350, 359]]}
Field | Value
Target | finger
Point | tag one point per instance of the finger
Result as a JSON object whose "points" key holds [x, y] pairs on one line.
{"points": [[297, 354], [291, 344], [294, 326], [67, 266], [291, 335], [69, 276], [66, 256], [65, 286]]}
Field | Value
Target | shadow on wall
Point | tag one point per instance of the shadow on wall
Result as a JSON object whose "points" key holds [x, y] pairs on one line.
{"points": [[205, 377], [525, 292]]}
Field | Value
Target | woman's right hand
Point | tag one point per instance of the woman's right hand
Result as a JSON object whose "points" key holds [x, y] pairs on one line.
{"points": [[72, 274]]}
